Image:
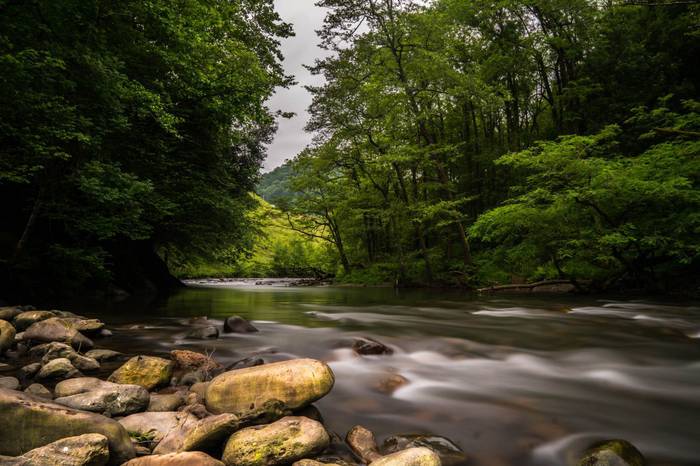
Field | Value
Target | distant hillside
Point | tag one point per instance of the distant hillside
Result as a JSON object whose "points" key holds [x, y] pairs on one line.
{"points": [[274, 187]]}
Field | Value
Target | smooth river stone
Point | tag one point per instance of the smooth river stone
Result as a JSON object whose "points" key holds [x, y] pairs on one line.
{"points": [[147, 371], [82, 450], [7, 335], [193, 458], [412, 457], [296, 383], [29, 422], [282, 442]]}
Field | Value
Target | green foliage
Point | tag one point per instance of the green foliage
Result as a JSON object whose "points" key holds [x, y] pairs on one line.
{"points": [[278, 251], [130, 122], [466, 142], [274, 186], [589, 209]]}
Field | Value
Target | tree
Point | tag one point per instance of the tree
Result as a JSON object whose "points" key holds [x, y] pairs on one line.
{"points": [[127, 129]]}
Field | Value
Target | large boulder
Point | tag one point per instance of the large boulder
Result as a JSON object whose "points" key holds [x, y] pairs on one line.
{"points": [[29, 422], [107, 398], [57, 329], [613, 453], [57, 350], [363, 444], [282, 442], [82, 450], [449, 453], [193, 458], [237, 324], [58, 369], [147, 371], [420, 456], [25, 319], [296, 383], [7, 335]]}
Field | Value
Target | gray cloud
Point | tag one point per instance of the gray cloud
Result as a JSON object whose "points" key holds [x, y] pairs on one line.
{"points": [[299, 50]]}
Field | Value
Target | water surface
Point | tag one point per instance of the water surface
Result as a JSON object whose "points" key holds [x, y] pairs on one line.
{"points": [[516, 380]]}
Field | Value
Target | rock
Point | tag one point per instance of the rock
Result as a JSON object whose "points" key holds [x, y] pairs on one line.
{"points": [[38, 390], [147, 371], [25, 319], [389, 384], [247, 362], [86, 326], [30, 422], [82, 450], [190, 360], [613, 453], [57, 350], [60, 368], [10, 383], [198, 410], [6, 367], [165, 403], [450, 454], [282, 442], [237, 324], [363, 444], [76, 386], [30, 370], [195, 458], [412, 457], [369, 346], [200, 389], [103, 354], [8, 313], [296, 383], [203, 333], [210, 433], [308, 462], [108, 398], [167, 430], [57, 329], [192, 367], [7, 335], [269, 412]]}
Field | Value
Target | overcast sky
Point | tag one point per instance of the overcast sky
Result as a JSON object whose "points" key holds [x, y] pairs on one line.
{"points": [[299, 50]]}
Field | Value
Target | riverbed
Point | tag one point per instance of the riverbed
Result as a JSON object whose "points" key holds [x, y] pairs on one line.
{"points": [[512, 380]]}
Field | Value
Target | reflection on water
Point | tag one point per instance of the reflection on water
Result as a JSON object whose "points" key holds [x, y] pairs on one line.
{"points": [[513, 381]]}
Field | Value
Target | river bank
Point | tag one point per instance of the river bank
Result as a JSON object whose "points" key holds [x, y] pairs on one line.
{"points": [[480, 373]]}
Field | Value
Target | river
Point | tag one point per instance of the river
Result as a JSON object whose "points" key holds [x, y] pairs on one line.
{"points": [[512, 380]]}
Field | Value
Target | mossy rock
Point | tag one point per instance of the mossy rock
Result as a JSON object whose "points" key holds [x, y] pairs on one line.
{"points": [[296, 383], [29, 422], [148, 371], [419, 456], [613, 453], [282, 442]]}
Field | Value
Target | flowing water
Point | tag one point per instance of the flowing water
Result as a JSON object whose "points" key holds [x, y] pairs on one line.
{"points": [[513, 380]]}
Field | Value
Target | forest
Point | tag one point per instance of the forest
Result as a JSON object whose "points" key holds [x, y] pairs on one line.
{"points": [[475, 143], [457, 142], [131, 134]]}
